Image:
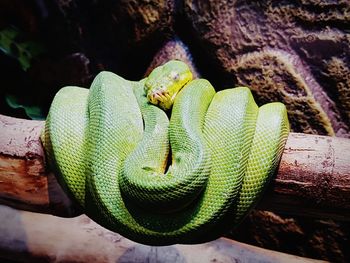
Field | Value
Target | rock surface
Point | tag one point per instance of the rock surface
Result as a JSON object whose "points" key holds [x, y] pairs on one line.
{"points": [[284, 46]]}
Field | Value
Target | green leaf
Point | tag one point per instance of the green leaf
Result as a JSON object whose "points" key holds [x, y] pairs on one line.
{"points": [[24, 51], [33, 112]]}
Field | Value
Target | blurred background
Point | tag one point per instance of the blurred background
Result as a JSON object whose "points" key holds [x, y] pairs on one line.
{"points": [[297, 52]]}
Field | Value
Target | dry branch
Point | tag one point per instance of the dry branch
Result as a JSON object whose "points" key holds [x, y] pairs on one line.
{"points": [[33, 237], [313, 177]]}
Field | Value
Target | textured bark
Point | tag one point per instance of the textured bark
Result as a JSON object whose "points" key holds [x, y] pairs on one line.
{"points": [[301, 185], [31, 237], [315, 171], [25, 182]]}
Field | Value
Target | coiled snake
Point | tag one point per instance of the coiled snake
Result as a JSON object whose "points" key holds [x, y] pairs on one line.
{"points": [[110, 148]]}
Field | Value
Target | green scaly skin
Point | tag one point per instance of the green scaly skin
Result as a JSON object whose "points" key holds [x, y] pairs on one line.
{"points": [[110, 147]]}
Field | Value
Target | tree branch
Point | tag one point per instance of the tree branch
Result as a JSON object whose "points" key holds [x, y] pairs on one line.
{"points": [[32, 237], [313, 177]]}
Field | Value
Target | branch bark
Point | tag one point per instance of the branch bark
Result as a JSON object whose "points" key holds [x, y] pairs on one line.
{"points": [[313, 177], [33, 237]]}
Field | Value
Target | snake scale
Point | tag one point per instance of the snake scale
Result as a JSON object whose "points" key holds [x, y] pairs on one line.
{"points": [[159, 181]]}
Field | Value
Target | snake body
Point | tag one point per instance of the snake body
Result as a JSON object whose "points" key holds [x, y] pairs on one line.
{"points": [[111, 148]]}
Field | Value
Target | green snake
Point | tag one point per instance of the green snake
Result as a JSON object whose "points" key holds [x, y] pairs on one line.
{"points": [[159, 181]]}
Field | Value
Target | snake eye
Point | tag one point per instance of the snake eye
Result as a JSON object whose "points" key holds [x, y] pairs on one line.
{"points": [[175, 76]]}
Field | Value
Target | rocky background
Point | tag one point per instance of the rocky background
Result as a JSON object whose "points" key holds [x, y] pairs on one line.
{"points": [[297, 52]]}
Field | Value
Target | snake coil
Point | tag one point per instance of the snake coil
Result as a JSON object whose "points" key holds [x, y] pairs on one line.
{"points": [[110, 148]]}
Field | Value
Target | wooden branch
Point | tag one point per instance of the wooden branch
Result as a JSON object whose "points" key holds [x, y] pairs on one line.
{"points": [[33, 237], [25, 183], [313, 177]]}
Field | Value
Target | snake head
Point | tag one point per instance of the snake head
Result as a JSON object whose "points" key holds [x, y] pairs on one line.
{"points": [[165, 81]]}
